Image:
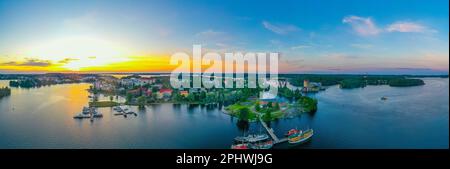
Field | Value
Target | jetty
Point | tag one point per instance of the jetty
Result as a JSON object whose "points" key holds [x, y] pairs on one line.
{"points": [[270, 131], [123, 111]]}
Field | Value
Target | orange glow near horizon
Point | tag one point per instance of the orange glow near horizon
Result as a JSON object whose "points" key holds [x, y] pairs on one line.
{"points": [[125, 64]]}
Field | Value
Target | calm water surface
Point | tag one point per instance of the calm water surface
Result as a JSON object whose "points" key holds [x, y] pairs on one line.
{"points": [[412, 117]]}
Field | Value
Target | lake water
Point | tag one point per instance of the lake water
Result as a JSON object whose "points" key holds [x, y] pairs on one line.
{"points": [[412, 117]]}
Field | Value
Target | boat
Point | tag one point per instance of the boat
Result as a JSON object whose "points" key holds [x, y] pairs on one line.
{"points": [[118, 114], [240, 146], [292, 131], [81, 116], [268, 144], [96, 113], [123, 108], [383, 98], [130, 112], [301, 137], [86, 110], [252, 138]]}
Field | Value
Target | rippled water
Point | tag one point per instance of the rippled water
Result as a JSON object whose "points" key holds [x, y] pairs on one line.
{"points": [[412, 117]]}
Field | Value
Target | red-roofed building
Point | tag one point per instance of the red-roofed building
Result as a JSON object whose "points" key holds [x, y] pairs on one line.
{"points": [[165, 93], [184, 93]]}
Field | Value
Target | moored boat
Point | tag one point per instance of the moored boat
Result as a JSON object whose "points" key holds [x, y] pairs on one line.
{"points": [[95, 113], [292, 131], [301, 137], [268, 144], [240, 146], [252, 138], [81, 116], [86, 110], [88, 113]]}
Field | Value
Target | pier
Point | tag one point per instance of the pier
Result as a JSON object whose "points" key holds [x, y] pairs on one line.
{"points": [[271, 133], [123, 111]]}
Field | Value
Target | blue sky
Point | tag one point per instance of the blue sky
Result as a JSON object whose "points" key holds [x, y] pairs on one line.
{"points": [[334, 36]]}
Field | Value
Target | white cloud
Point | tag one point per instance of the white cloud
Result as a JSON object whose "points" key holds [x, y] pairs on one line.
{"points": [[280, 29], [406, 27], [362, 26], [365, 26]]}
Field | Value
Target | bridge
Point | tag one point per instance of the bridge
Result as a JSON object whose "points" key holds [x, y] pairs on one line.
{"points": [[271, 133]]}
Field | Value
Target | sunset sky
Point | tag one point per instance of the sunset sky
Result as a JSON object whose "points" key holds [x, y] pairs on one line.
{"points": [[380, 37]]}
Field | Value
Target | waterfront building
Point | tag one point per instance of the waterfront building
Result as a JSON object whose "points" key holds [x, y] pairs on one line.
{"points": [[184, 93], [164, 93]]}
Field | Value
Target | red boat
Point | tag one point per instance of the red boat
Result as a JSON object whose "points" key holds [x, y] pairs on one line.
{"points": [[292, 131], [239, 146]]}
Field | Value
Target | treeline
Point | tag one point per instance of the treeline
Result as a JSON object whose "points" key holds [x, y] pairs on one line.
{"points": [[212, 96], [5, 91], [394, 82], [356, 81], [33, 82], [27, 83], [405, 82]]}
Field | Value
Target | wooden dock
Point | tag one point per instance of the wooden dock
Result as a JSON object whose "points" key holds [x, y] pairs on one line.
{"points": [[271, 133], [124, 112]]}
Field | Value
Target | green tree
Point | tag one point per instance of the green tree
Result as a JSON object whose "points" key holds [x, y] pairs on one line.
{"points": [[257, 106], [154, 89], [244, 113], [191, 97], [267, 115], [129, 98], [141, 101], [277, 106], [269, 105]]}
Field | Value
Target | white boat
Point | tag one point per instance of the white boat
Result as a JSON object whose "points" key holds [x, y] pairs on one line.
{"points": [[95, 113], [252, 138], [86, 110], [81, 116], [124, 108], [268, 144]]}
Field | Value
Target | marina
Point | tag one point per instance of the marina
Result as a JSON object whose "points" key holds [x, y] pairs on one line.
{"points": [[88, 112]]}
